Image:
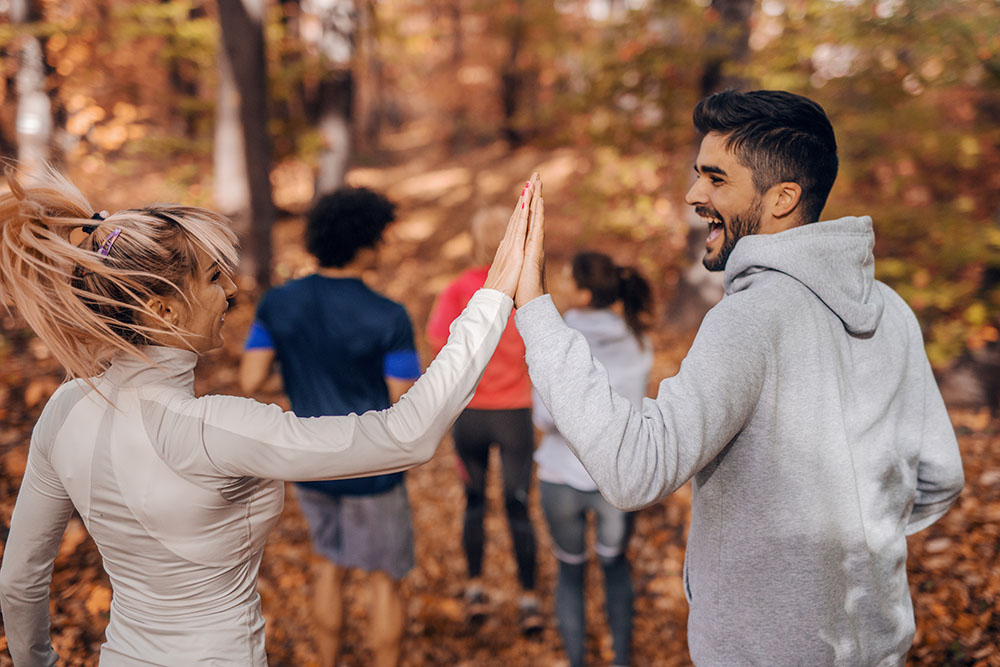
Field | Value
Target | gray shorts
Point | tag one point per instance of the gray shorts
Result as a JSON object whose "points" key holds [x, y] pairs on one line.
{"points": [[367, 532]]}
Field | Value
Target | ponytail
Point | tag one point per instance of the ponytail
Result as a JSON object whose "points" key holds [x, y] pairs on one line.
{"points": [[82, 282], [609, 283], [637, 297]]}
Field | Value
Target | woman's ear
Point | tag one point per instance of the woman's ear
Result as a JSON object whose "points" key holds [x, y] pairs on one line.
{"points": [[581, 297], [787, 197], [163, 308]]}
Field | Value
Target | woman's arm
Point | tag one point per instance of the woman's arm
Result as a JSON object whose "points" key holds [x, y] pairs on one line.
{"points": [[244, 438], [36, 528]]}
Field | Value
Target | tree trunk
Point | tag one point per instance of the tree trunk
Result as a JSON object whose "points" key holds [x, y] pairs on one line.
{"points": [[461, 130], [728, 43], [338, 19], [243, 41], [368, 91], [698, 289], [34, 109], [511, 79], [232, 194], [184, 81]]}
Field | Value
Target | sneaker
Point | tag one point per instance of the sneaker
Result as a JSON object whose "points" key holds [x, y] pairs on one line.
{"points": [[476, 605], [532, 622]]}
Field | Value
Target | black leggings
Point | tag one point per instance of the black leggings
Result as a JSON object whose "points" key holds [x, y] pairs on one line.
{"points": [[474, 432]]}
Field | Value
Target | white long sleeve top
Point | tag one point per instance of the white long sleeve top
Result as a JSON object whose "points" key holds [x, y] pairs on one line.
{"points": [[179, 493]]}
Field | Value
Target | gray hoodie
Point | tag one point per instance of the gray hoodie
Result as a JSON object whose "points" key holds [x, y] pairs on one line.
{"points": [[627, 361], [809, 422]]}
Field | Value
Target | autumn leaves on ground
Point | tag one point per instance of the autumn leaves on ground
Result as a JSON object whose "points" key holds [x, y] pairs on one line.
{"points": [[953, 573]]}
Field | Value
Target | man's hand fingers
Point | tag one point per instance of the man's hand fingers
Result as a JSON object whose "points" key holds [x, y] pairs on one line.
{"points": [[509, 258]]}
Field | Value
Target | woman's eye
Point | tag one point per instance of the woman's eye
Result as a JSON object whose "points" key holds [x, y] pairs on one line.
{"points": [[216, 276]]}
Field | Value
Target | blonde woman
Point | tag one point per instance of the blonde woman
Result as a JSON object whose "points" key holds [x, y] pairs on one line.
{"points": [[179, 492]]}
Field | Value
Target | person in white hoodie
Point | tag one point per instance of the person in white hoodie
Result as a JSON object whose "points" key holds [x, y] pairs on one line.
{"points": [[805, 413], [600, 289]]}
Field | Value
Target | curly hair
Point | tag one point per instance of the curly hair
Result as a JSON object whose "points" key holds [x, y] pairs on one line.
{"points": [[345, 221]]}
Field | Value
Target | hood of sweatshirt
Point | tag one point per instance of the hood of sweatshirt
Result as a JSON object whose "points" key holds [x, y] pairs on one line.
{"points": [[611, 342], [601, 326], [833, 259]]}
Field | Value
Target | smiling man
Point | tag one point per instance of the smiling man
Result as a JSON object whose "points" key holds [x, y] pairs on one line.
{"points": [[767, 163], [805, 413]]}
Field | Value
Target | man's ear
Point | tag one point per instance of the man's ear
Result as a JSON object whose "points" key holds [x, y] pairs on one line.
{"points": [[787, 195]]}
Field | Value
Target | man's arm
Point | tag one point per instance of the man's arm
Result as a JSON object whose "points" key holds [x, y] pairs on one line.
{"points": [[397, 387], [540, 416], [257, 359], [255, 369], [638, 455], [939, 473], [402, 363]]}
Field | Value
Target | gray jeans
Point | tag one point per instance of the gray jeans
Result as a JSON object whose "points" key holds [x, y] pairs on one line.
{"points": [[566, 511]]}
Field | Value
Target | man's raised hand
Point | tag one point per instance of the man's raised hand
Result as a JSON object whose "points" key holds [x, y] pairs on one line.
{"points": [[505, 271], [531, 283]]}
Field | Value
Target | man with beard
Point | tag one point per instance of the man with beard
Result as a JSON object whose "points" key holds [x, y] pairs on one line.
{"points": [[805, 413]]}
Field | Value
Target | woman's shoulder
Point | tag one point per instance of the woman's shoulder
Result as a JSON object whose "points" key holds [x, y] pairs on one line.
{"points": [[57, 408]]}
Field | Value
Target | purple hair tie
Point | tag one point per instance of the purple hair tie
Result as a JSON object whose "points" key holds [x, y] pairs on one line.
{"points": [[108, 242]]}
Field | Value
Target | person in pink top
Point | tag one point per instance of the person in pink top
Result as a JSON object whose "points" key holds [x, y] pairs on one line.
{"points": [[500, 414]]}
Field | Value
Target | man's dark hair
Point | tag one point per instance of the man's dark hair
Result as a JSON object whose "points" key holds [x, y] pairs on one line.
{"points": [[344, 221], [780, 137]]}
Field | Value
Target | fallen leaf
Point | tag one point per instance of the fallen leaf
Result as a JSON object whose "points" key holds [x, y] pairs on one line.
{"points": [[39, 390], [74, 536], [15, 462], [99, 600]]}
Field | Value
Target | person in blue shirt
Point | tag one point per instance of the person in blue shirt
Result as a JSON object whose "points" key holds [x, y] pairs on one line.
{"points": [[343, 347]]}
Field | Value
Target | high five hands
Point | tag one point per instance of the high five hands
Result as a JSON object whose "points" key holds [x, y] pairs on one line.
{"points": [[518, 268]]}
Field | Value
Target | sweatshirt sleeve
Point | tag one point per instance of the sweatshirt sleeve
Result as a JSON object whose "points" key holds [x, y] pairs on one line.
{"points": [[36, 527], [242, 437], [638, 455], [540, 416], [939, 472]]}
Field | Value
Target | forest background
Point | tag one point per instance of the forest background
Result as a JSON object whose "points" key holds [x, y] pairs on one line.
{"points": [[254, 107]]}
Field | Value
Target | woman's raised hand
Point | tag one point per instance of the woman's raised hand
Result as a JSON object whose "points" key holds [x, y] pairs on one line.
{"points": [[531, 284], [505, 271]]}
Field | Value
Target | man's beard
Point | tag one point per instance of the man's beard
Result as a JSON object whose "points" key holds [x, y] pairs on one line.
{"points": [[743, 224]]}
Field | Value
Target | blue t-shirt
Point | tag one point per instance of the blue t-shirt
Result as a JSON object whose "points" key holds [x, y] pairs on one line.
{"points": [[336, 340]]}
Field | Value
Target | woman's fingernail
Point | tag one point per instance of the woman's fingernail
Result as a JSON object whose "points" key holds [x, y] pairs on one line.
{"points": [[522, 204]]}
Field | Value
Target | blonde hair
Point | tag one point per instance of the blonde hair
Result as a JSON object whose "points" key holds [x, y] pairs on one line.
{"points": [[488, 226], [85, 305]]}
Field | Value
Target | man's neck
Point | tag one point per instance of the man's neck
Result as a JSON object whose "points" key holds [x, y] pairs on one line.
{"points": [[348, 271], [776, 225]]}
